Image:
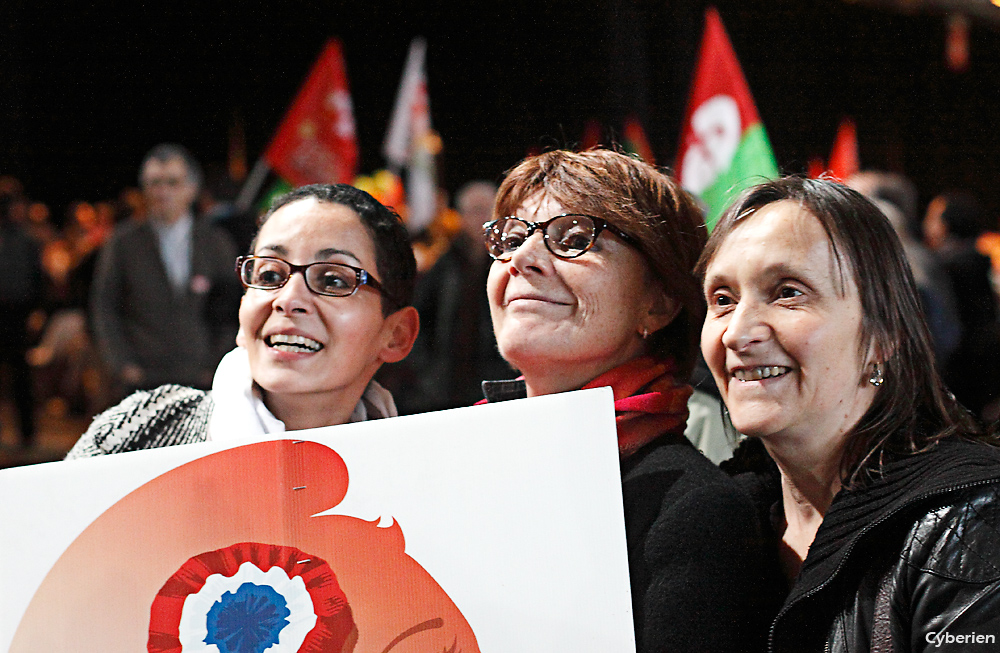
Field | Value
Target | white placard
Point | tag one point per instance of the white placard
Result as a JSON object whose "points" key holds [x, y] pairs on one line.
{"points": [[511, 514]]}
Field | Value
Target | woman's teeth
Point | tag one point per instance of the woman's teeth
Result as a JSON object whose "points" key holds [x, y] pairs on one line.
{"points": [[293, 343], [758, 373]]}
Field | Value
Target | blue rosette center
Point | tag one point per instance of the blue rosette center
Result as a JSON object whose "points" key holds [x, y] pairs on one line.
{"points": [[247, 621]]}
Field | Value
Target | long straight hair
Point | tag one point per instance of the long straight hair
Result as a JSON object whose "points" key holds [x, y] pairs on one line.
{"points": [[912, 409]]}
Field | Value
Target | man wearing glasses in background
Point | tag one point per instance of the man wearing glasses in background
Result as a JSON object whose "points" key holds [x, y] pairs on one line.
{"points": [[164, 300]]}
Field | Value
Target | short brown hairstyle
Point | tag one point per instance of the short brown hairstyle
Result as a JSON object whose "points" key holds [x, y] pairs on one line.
{"points": [[912, 410], [643, 202]]}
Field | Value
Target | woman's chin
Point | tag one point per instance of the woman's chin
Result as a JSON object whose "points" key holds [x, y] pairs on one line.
{"points": [[545, 357], [525, 355], [275, 383]]}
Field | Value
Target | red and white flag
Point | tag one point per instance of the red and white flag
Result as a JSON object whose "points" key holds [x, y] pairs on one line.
{"points": [[724, 147], [316, 141], [411, 143]]}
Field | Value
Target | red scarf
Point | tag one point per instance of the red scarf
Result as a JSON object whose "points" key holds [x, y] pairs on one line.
{"points": [[648, 401]]}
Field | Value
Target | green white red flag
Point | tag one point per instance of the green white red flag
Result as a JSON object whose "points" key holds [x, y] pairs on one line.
{"points": [[316, 141], [724, 147]]}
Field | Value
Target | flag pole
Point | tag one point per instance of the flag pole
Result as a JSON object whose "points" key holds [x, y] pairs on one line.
{"points": [[252, 186]]}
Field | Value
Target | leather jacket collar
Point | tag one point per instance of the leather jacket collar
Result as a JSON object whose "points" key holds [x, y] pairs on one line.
{"points": [[862, 517]]}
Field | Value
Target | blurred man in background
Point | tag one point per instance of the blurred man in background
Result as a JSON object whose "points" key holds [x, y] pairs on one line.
{"points": [[165, 298]]}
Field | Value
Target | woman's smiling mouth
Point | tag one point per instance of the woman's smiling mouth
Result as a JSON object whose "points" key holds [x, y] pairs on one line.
{"points": [[285, 342], [533, 299], [745, 374]]}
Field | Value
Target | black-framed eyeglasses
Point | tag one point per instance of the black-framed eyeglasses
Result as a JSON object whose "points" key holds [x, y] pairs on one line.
{"points": [[567, 235], [322, 278]]}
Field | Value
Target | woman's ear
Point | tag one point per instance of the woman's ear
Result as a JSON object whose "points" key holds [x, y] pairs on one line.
{"points": [[662, 311], [402, 328], [880, 353], [874, 363]]}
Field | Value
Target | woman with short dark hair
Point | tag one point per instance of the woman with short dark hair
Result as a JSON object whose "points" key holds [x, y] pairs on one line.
{"points": [[327, 301]]}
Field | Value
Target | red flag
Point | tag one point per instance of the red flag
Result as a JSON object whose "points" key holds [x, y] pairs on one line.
{"points": [[591, 135], [844, 156], [316, 142], [816, 168], [636, 141], [724, 147], [956, 48]]}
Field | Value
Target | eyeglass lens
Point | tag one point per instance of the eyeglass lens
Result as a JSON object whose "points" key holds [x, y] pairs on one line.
{"points": [[567, 236], [322, 278]]}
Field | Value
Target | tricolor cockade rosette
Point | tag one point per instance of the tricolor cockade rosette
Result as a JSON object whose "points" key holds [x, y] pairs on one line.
{"points": [[252, 598]]}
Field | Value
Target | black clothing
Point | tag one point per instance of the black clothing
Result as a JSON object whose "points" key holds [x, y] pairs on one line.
{"points": [[20, 292], [174, 336], [694, 548], [972, 371], [913, 555], [456, 348]]}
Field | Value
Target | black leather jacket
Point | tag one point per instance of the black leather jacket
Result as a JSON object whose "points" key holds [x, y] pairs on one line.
{"points": [[910, 562]]}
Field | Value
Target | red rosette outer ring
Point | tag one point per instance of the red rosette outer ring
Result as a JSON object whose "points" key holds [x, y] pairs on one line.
{"points": [[334, 631]]}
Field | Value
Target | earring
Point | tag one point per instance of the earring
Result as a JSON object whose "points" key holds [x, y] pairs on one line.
{"points": [[876, 379], [645, 333]]}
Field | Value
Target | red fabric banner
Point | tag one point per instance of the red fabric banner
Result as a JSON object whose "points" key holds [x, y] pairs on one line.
{"points": [[316, 141], [717, 73], [591, 135], [724, 147], [844, 155]]}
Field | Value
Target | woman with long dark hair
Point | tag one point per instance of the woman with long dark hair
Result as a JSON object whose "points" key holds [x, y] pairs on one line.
{"points": [[882, 493]]}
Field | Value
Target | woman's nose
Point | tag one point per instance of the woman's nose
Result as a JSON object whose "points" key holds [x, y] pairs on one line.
{"points": [[294, 296], [532, 255], [746, 327]]}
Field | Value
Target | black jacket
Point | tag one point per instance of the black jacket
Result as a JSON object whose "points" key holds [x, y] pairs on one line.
{"points": [[138, 318], [910, 562], [695, 549]]}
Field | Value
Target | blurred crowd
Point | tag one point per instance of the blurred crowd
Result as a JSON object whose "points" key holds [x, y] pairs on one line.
{"points": [[80, 331], [954, 252], [52, 362], [49, 363]]}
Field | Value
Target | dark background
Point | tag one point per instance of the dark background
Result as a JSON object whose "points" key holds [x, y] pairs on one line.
{"points": [[86, 90]]}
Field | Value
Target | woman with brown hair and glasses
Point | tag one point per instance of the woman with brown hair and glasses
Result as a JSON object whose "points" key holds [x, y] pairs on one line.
{"points": [[592, 285], [328, 289]]}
